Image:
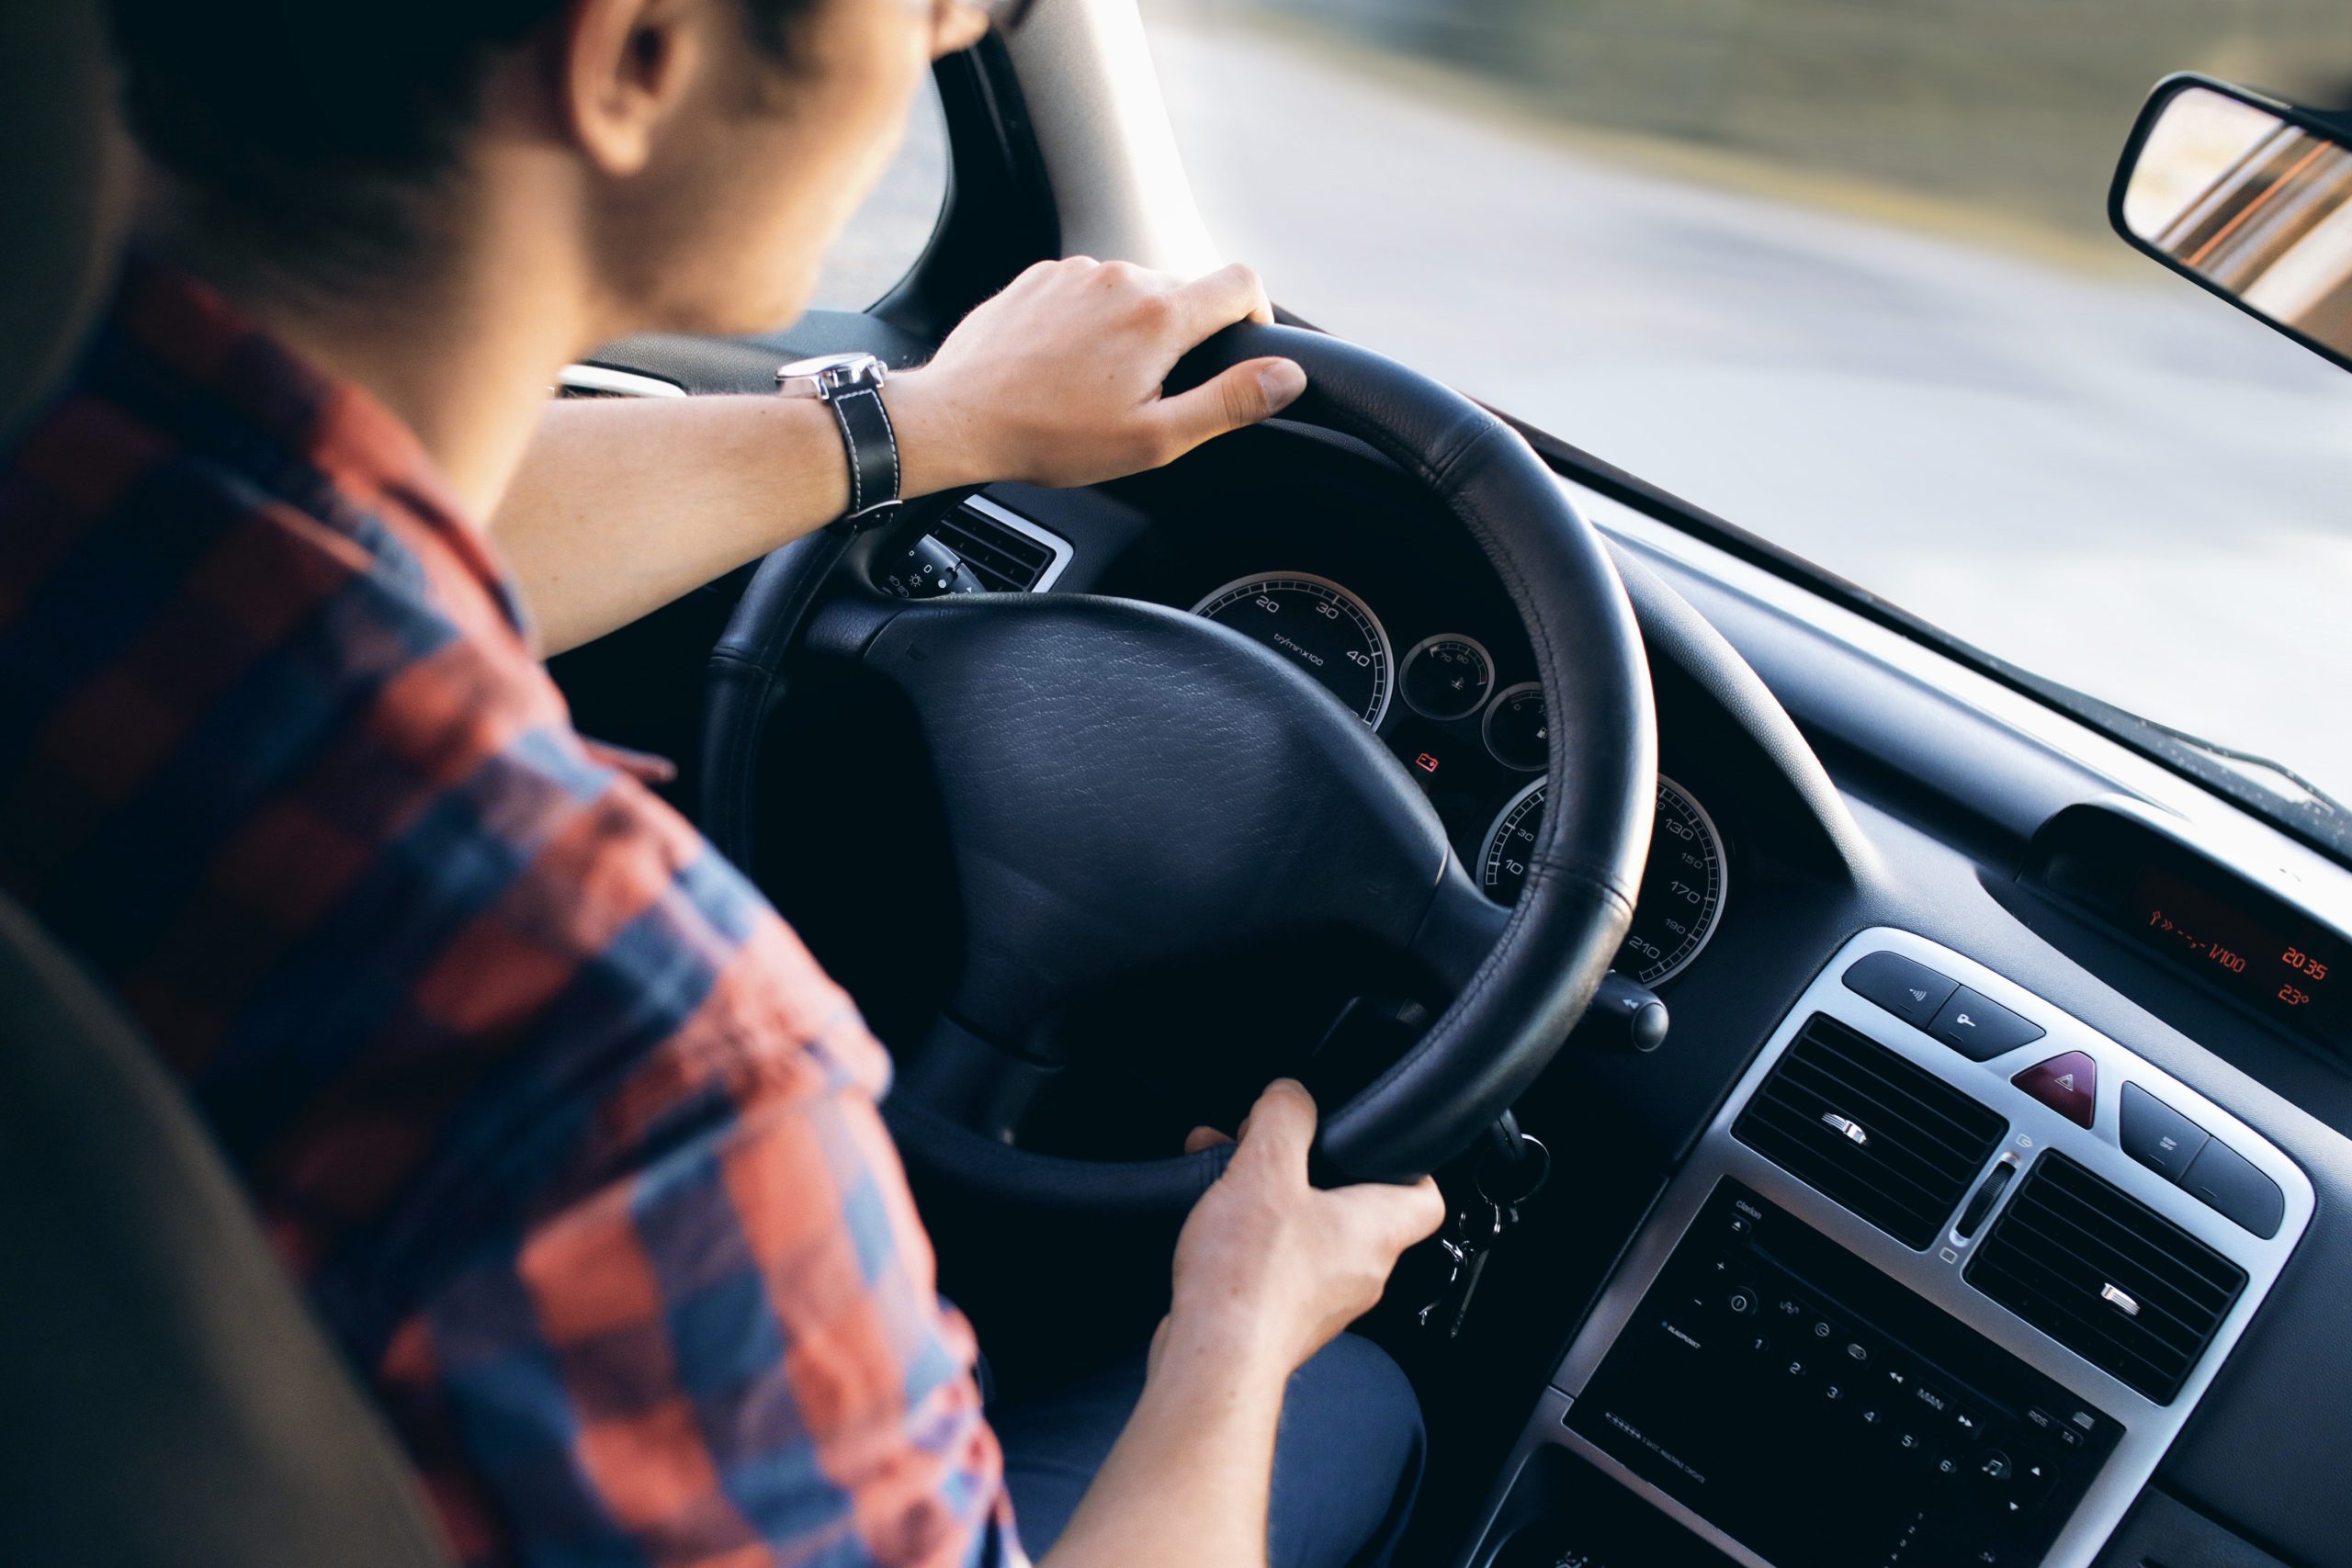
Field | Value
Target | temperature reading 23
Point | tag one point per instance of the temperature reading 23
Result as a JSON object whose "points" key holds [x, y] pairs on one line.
{"points": [[1319, 625], [1682, 885]]}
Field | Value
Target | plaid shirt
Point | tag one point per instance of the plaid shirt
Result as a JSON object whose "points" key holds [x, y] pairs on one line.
{"points": [[569, 1141]]}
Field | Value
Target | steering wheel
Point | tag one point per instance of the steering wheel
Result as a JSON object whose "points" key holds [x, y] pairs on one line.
{"points": [[1125, 784]]}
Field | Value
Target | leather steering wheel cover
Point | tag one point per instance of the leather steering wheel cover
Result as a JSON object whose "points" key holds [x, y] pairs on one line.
{"points": [[744, 682], [1574, 910], [1521, 1004]]}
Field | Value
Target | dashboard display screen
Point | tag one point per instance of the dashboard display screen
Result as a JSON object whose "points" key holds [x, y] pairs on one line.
{"points": [[2296, 976]]}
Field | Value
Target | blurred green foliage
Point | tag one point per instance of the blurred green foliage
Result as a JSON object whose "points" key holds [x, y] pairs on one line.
{"points": [[2019, 103]]}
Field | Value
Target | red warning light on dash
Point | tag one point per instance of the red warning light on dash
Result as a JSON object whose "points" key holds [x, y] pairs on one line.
{"points": [[1426, 762]]}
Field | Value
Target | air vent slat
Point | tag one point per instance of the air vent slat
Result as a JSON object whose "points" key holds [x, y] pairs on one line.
{"points": [[1921, 1145], [1914, 1145], [2072, 1250], [1914, 1194], [2065, 1248], [2116, 1354], [1004, 559], [1928, 1118]]}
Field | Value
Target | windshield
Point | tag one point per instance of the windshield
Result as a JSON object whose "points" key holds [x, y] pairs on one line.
{"points": [[1838, 271]]}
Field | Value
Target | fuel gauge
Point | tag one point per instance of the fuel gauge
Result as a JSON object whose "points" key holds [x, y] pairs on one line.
{"points": [[1516, 731]]}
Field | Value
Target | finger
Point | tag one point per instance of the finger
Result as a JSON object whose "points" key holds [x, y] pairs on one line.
{"points": [[1281, 1127], [1242, 395], [1219, 299], [1199, 1140], [1395, 1217]]}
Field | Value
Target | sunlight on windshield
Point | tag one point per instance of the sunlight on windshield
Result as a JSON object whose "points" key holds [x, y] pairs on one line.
{"points": [[1839, 274]]}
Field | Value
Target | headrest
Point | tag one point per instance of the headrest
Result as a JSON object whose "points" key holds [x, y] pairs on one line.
{"points": [[63, 190]]}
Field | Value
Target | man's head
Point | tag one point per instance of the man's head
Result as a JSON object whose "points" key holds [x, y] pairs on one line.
{"points": [[689, 159]]}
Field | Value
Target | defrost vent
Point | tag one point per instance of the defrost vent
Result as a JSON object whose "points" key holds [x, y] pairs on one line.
{"points": [[1863, 1126], [2106, 1276]]}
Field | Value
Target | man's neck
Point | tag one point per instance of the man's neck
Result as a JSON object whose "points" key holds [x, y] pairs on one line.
{"points": [[463, 351]]}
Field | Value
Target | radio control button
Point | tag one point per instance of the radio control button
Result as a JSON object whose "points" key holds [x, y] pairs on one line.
{"points": [[1743, 1301], [1996, 1466]]}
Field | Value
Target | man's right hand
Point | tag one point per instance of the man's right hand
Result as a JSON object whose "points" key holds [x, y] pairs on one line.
{"points": [[1270, 1267]]}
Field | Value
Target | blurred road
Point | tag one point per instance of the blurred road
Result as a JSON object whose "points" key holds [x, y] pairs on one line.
{"points": [[2104, 476]]}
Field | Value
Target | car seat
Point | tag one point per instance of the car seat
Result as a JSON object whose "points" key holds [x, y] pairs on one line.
{"points": [[165, 1398]]}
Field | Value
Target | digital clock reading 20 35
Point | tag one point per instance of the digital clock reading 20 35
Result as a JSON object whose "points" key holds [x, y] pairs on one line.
{"points": [[2285, 974]]}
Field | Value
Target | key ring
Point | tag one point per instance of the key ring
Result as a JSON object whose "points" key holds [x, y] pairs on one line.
{"points": [[1543, 1174]]}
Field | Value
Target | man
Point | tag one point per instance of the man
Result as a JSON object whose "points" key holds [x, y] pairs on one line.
{"points": [[573, 1148]]}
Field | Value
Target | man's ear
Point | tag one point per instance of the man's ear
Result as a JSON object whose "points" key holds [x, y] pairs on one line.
{"points": [[624, 68]]}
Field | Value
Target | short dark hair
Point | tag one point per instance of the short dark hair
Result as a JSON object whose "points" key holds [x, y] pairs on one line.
{"points": [[310, 124]]}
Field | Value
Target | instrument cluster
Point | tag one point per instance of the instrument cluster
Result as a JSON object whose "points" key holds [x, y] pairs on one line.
{"points": [[1471, 739]]}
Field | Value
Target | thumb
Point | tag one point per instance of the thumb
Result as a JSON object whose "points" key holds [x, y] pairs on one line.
{"points": [[1241, 395]]}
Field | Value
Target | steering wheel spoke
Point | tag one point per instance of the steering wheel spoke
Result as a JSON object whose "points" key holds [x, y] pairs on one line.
{"points": [[1458, 932], [964, 1078]]}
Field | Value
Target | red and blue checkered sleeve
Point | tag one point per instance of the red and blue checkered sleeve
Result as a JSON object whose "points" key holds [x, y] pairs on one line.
{"points": [[733, 1353]]}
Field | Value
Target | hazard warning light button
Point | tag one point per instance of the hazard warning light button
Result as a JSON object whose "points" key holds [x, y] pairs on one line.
{"points": [[2067, 1084]]}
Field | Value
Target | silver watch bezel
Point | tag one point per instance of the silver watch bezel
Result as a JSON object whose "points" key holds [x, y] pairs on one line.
{"points": [[828, 376]]}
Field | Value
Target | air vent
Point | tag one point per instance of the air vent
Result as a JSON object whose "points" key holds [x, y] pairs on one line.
{"points": [[2106, 1276], [1891, 1141], [1009, 554]]}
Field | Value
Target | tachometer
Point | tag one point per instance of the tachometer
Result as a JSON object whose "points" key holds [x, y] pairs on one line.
{"points": [[1682, 884], [1321, 626]]}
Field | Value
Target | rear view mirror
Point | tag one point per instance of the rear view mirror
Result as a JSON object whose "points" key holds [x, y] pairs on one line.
{"points": [[2250, 197]]}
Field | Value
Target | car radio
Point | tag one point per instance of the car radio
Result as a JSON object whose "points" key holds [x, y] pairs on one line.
{"points": [[1820, 1414]]}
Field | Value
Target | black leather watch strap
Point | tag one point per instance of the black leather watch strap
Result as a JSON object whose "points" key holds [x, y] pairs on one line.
{"points": [[873, 447]]}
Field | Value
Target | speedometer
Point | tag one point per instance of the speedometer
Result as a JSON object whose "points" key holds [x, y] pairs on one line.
{"points": [[1319, 625], [1682, 884]]}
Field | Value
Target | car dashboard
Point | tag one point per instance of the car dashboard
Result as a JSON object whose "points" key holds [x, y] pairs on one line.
{"points": [[1969, 1214]]}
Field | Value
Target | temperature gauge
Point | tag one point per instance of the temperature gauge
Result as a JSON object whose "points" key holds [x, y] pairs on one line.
{"points": [[1448, 676]]}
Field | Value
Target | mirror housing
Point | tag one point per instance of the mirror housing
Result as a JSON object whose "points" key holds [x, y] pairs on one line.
{"points": [[2248, 198]]}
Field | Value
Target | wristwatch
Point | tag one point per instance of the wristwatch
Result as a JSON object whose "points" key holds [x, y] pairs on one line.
{"points": [[851, 385]]}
